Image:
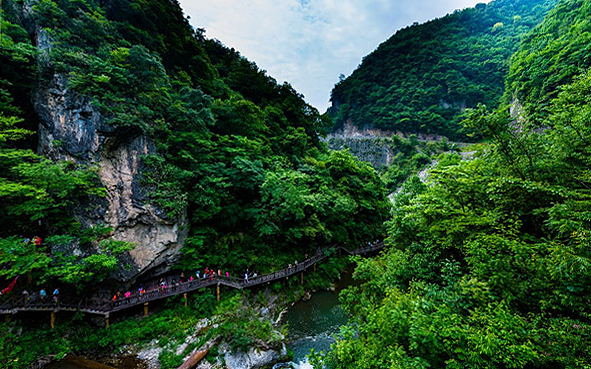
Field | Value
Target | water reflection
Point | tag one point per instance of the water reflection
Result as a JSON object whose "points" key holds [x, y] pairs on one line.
{"points": [[312, 324]]}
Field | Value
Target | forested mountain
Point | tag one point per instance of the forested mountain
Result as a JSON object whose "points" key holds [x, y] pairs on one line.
{"points": [[420, 79], [128, 140], [490, 262], [550, 56]]}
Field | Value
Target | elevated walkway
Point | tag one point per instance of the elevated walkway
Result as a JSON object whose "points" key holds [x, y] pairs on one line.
{"points": [[17, 304]]}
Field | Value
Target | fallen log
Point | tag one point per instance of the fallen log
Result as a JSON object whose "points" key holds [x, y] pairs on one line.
{"points": [[198, 355]]}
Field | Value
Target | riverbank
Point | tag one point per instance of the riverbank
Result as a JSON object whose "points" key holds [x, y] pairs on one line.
{"points": [[244, 320]]}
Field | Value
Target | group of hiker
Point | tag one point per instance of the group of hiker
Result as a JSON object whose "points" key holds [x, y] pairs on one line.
{"points": [[209, 274], [36, 240], [165, 286], [127, 294], [41, 297]]}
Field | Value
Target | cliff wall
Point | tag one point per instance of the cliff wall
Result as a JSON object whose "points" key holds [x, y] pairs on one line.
{"points": [[72, 129]]}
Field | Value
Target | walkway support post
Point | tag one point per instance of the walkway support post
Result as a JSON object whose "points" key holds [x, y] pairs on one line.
{"points": [[185, 298], [302, 278], [145, 309], [218, 291], [52, 319], [107, 321], [314, 268]]}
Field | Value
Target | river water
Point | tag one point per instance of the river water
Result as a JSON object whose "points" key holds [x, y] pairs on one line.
{"points": [[312, 324]]}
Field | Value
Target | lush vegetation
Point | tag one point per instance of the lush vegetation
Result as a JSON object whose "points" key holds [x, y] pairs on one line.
{"points": [[551, 55], [420, 79], [489, 265], [237, 158], [408, 155], [238, 155]]}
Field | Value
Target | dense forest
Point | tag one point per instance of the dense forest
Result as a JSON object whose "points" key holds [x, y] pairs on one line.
{"points": [[421, 79], [237, 156], [226, 160], [489, 261]]}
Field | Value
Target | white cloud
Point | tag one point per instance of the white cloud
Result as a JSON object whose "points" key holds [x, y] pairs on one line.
{"points": [[309, 43]]}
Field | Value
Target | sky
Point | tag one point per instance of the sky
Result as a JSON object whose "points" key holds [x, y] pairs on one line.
{"points": [[310, 43]]}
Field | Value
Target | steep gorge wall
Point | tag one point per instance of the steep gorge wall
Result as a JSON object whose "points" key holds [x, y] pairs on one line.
{"points": [[375, 150], [72, 129], [371, 145]]}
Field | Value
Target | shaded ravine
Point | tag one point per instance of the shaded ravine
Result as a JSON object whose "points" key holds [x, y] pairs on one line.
{"points": [[312, 324]]}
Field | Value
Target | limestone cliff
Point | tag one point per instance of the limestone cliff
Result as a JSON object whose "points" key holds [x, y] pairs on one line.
{"points": [[375, 150], [371, 145], [72, 129]]}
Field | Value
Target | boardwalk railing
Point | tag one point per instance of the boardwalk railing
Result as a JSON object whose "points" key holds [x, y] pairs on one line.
{"points": [[14, 304]]}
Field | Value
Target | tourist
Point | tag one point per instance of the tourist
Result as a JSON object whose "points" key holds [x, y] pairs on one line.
{"points": [[42, 294], [26, 297], [246, 277], [56, 295]]}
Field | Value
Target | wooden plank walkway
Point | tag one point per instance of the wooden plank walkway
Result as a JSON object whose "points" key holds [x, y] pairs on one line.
{"points": [[17, 304]]}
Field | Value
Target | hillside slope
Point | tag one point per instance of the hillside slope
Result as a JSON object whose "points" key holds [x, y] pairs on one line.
{"points": [[420, 79], [549, 57]]}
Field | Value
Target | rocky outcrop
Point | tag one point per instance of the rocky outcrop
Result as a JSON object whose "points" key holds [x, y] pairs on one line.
{"points": [[72, 129], [517, 111], [374, 150], [371, 145], [252, 359]]}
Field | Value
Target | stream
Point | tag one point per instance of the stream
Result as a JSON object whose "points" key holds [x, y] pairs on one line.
{"points": [[312, 323]]}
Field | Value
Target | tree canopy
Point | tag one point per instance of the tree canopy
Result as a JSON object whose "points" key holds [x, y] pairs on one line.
{"points": [[237, 154], [489, 263]]}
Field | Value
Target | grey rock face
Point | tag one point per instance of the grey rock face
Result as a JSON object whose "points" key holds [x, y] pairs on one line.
{"points": [[72, 129], [374, 150], [254, 358], [369, 144]]}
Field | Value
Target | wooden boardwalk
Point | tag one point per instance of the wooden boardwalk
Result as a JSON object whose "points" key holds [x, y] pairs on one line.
{"points": [[17, 304]]}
